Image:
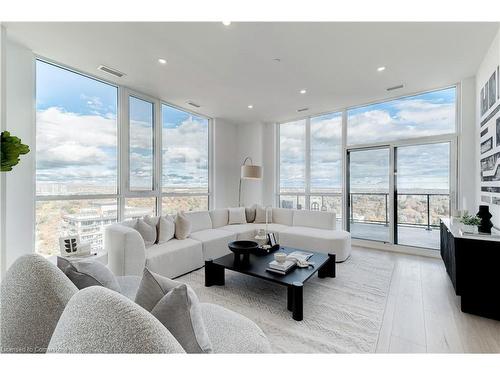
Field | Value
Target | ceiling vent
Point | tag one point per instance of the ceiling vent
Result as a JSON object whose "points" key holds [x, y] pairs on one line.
{"points": [[112, 71], [193, 104], [303, 109], [395, 87]]}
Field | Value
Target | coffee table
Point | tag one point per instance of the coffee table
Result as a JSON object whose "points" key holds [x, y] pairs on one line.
{"points": [[256, 267]]}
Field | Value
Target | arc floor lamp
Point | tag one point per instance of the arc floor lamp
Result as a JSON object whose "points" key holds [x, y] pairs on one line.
{"points": [[248, 172]]}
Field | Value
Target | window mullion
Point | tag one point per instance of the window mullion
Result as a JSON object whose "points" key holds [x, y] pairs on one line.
{"points": [[308, 164]]}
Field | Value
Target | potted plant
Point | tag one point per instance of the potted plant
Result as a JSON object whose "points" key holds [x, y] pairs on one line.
{"points": [[11, 147], [470, 223]]}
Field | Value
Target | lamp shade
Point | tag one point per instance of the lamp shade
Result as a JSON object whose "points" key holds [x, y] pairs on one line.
{"points": [[251, 171]]}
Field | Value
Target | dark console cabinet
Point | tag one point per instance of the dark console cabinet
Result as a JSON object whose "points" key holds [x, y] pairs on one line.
{"points": [[473, 264]]}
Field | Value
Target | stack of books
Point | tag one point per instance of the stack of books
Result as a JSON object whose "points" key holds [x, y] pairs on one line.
{"points": [[281, 268]]}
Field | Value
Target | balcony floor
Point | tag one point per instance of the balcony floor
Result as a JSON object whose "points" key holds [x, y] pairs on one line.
{"points": [[407, 235]]}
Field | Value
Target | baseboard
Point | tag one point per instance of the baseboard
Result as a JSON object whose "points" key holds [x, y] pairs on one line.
{"points": [[397, 248]]}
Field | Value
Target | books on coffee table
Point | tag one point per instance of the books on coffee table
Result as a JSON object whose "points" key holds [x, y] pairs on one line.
{"points": [[299, 256], [281, 268]]}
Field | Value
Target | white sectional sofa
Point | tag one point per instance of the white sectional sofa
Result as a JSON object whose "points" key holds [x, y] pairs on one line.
{"points": [[210, 234]]}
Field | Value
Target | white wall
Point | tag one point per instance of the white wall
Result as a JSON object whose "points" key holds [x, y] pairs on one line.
{"points": [[467, 146], [226, 164], [489, 63], [250, 143], [2, 128], [20, 182]]}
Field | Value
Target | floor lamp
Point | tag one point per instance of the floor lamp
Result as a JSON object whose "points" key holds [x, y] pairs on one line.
{"points": [[249, 172]]}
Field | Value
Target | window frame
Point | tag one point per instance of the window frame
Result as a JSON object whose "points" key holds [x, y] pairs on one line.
{"points": [[123, 190], [452, 137]]}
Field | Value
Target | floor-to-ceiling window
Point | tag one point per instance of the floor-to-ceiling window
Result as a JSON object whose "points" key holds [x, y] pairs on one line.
{"points": [[76, 157], [399, 171], [401, 203], [310, 167], [185, 158], [97, 163]]}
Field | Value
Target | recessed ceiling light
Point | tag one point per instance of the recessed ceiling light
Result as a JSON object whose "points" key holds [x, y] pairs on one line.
{"points": [[226, 23], [250, 106], [162, 61], [380, 68], [303, 91]]}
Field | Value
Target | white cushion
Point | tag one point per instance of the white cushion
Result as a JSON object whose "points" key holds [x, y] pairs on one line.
{"points": [[237, 215], [175, 257], [166, 229], [200, 220], [314, 219], [183, 226], [147, 230], [219, 217], [320, 240], [243, 231], [283, 216], [214, 242], [260, 215]]}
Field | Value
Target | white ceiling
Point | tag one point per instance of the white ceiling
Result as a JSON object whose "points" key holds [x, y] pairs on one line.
{"points": [[224, 69]]}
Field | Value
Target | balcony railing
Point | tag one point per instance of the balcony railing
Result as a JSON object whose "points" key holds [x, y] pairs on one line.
{"points": [[382, 216]]}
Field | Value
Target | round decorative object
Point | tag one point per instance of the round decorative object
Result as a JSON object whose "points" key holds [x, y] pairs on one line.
{"points": [[242, 248]]}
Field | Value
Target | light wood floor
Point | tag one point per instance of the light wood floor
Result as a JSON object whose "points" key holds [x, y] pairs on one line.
{"points": [[422, 312]]}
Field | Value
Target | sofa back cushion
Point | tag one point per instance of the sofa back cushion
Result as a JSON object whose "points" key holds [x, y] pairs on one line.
{"points": [[200, 220], [99, 320], [260, 215], [237, 215], [314, 219], [250, 213], [219, 217], [34, 294], [283, 216]]}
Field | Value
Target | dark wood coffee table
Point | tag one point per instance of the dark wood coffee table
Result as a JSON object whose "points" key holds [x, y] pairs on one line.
{"points": [[256, 266]]}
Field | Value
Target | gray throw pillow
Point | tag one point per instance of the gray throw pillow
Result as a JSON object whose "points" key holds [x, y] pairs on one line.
{"points": [[260, 215], [85, 273], [182, 226], [250, 214], [180, 312], [152, 289], [176, 305]]}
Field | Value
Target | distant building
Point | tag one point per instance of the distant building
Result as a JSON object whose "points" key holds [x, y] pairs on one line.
{"points": [[89, 223]]}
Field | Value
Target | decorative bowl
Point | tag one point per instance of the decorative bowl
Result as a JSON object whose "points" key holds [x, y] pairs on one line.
{"points": [[243, 246]]}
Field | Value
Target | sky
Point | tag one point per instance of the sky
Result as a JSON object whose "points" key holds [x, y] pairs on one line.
{"points": [[77, 137], [77, 140], [422, 167]]}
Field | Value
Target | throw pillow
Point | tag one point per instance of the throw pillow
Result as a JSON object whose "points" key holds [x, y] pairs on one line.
{"points": [[182, 226], [237, 215], [250, 214], [179, 312], [146, 230], [85, 273], [260, 215], [166, 229]]}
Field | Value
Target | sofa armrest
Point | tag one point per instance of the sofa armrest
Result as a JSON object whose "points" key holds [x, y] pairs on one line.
{"points": [[126, 250]]}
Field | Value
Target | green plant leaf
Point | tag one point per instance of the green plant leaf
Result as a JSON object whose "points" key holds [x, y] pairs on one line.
{"points": [[11, 147]]}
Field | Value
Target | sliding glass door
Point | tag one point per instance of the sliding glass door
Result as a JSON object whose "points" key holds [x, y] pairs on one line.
{"points": [[368, 193], [422, 182]]}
